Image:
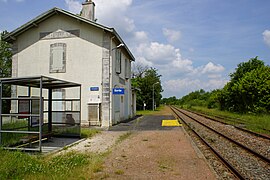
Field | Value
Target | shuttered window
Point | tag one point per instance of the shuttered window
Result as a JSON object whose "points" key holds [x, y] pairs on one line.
{"points": [[58, 58], [118, 61], [127, 69]]}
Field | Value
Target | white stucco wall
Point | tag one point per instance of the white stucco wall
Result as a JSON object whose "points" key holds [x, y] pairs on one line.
{"points": [[121, 106], [83, 63]]}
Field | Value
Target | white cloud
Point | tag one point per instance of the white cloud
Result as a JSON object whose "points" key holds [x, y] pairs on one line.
{"points": [[184, 65], [215, 84], [115, 14], [73, 6], [214, 76], [171, 35], [158, 53], [143, 61], [186, 85], [140, 36], [212, 68], [266, 37]]}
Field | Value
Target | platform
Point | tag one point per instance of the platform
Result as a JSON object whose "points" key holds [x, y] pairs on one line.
{"points": [[157, 149]]}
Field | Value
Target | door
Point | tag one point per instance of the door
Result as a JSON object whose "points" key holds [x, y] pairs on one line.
{"points": [[122, 108]]}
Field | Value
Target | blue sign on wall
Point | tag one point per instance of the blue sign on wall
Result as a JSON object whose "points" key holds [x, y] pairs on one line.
{"points": [[94, 88], [118, 91]]}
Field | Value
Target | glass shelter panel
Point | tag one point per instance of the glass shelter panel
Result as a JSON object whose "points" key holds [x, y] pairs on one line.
{"points": [[35, 110]]}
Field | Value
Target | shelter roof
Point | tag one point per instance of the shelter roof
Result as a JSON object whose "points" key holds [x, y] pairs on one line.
{"points": [[38, 81]]}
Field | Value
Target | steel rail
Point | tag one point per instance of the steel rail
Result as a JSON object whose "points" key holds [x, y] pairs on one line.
{"points": [[262, 157], [224, 161], [216, 120]]}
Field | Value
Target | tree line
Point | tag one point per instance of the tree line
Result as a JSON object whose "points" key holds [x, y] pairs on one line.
{"points": [[247, 91]]}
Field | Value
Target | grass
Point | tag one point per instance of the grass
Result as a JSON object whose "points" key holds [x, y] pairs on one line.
{"points": [[256, 123], [119, 172], [72, 165], [19, 165], [88, 133], [145, 112], [165, 164], [150, 112], [123, 137]]}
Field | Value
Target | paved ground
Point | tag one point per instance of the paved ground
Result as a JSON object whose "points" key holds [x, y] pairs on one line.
{"points": [[145, 123]]}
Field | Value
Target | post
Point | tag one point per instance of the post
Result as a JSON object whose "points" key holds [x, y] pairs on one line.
{"points": [[154, 95], [50, 111], [1, 93], [40, 113]]}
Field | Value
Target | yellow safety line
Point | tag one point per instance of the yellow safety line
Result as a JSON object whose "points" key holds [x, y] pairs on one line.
{"points": [[169, 123]]}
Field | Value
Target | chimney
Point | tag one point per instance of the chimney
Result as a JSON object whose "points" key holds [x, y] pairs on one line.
{"points": [[88, 10]]}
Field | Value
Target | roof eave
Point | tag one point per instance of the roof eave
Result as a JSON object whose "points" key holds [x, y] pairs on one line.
{"points": [[10, 37], [126, 47]]}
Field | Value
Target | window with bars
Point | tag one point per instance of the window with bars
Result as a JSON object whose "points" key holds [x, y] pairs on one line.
{"points": [[58, 58]]}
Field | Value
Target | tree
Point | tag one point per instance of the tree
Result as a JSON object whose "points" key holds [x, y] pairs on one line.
{"points": [[138, 70], [5, 68], [248, 89], [253, 90], [144, 81], [196, 98], [246, 67], [5, 57], [170, 101]]}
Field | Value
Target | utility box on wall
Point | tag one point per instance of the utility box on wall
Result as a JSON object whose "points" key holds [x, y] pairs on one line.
{"points": [[94, 114]]}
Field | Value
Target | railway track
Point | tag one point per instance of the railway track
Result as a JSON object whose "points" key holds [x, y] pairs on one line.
{"points": [[244, 153], [223, 121]]}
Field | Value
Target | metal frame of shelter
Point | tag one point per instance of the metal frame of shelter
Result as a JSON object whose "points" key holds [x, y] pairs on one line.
{"points": [[41, 84]]}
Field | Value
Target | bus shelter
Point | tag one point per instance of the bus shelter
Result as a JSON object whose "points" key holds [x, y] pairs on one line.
{"points": [[33, 109]]}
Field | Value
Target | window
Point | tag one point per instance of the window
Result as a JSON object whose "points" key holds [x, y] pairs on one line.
{"points": [[58, 58], [118, 61], [127, 69]]}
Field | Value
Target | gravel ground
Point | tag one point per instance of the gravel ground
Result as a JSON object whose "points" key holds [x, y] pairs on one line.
{"points": [[247, 164], [156, 155], [100, 143], [258, 144], [222, 171]]}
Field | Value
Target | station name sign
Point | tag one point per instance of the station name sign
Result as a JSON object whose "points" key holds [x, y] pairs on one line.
{"points": [[94, 88], [118, 91]]}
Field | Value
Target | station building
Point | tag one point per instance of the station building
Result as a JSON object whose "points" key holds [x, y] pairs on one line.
{"points": [[76, 48]]}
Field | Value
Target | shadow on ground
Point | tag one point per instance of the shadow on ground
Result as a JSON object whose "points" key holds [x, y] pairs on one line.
{"points": [[143, 123]]}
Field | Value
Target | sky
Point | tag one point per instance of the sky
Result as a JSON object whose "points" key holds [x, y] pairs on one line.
{"points": [[194, 44]]}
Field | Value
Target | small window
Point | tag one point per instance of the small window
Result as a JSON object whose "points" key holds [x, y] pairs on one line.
{"points": [[58, 58], [127, 69], [118, 61]]}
